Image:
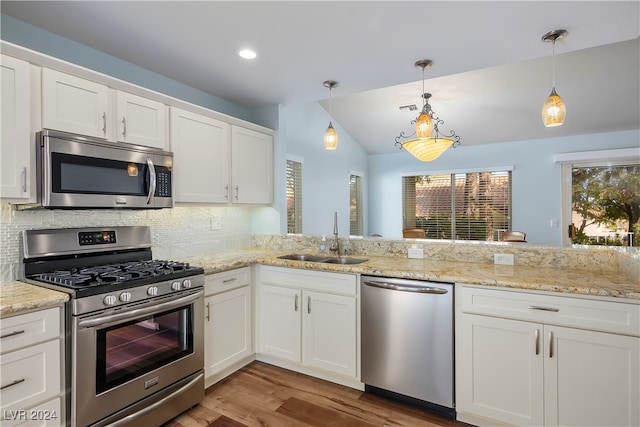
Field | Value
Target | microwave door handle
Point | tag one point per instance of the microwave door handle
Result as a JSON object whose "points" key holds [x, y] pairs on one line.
{"points": [[152, 180]]}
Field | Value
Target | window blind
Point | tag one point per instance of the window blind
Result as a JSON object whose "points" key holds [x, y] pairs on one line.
{"points": [[294, 197], [356, 206], [461, 206]]}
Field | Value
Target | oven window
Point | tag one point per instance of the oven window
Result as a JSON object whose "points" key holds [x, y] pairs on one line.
{"points": [[132, 349]]}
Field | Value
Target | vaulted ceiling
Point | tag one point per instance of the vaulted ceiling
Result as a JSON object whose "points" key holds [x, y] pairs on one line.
{"points": [[490, 76]]}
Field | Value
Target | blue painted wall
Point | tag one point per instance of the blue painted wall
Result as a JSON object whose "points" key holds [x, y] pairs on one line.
{"points": [[536, 178]]}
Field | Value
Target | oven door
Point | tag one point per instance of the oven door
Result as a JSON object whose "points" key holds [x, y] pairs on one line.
{"points": [[122, 356]]}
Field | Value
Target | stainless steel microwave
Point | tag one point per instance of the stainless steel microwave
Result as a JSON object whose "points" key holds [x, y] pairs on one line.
{"points": [[82, 172]]}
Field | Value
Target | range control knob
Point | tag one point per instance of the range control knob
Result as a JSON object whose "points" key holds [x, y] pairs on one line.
{"points": [[152, 291], [109, 300], [125, 296], [176, 285], [186, 283]]}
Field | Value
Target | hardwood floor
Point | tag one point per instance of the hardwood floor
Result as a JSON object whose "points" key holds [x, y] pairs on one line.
{"points": [[264, 395]]}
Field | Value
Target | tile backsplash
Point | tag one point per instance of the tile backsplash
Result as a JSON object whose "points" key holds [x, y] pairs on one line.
{"points": [[177, 233]]}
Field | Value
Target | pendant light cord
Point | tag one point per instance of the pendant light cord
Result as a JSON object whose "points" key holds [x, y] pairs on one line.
{"points": [[553, 65]]}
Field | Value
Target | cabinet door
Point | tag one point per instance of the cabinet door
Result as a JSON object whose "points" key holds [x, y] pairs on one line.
{"points": [[200, 148], [280, 322], [140, 120], [30, 375], [227, 329], [500, 369], [16, 138], [252, 167], [591, 378], [74, 104], [329, 332]]}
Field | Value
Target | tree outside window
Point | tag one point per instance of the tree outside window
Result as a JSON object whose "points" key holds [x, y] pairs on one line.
{"points": [[605, 205]]}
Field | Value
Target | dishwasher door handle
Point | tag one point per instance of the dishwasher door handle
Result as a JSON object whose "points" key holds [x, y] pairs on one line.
{"points": [[418, 289]]}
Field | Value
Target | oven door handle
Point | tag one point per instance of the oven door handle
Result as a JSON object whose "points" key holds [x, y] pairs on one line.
{"points": [[88, 323], [129, 418]]}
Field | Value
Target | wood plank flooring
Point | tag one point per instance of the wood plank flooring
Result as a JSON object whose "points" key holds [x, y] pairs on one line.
{"points": [[264, 395]]}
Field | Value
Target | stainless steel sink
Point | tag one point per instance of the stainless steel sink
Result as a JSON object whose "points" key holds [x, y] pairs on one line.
{"points": [[344, 260], [303, 257], [323, 259]]}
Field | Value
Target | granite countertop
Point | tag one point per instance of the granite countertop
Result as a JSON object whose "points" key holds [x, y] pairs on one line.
{"points": [[578, 282], [17, 297]]}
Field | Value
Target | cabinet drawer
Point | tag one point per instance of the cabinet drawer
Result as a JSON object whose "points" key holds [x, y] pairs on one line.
{"points": [[221, 282], [30, 375], [309, 279], [607, 316], [27, 329]]}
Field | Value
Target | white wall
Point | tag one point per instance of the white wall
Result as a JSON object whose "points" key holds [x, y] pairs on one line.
{"points": [[536, 179], [325, 173]]}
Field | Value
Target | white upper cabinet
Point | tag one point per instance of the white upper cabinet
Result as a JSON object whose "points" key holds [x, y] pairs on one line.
{"points": [[200, 148], [16, 138], [73, 104], [140, 121], [252, 166]]}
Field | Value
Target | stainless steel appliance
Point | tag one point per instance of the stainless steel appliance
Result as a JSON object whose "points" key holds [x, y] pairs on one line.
{"points": [[135, 353], [407, 341], [81, 172]]}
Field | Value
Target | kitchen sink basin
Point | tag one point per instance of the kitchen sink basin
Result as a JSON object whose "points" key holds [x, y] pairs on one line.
{"points": [[304, 257], [344, 260], [322, 259]]}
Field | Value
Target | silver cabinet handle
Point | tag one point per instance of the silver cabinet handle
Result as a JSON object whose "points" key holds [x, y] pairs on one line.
{"points": [[15, 382], [309, 305], [537, 307], [232, 279], [550, 345], [537, 337], [237, 192], [152, 180], [124, 127], [24, 179], [295, 304], [208, 317], [104, 124], [12, 334], [226, 192]]}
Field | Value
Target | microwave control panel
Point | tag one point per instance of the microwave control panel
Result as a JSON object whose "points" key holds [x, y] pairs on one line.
{"points": [[163, 182]]}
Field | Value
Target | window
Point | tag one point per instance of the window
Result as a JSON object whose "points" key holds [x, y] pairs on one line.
{"points": [[294, 196], [601, 197], [461, 206], [356, 205]]}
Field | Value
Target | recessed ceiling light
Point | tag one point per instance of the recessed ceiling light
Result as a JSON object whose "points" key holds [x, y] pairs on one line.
{"points": [[247, 54]]}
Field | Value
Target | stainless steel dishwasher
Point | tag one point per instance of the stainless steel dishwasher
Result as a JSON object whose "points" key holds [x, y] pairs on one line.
{"points": [[407, 341]]}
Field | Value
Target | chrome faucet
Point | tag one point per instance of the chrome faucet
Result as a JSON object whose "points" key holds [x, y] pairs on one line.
{"points": [[335, 246]]}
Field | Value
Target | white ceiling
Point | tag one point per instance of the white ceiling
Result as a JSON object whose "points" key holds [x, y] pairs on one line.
{"points": [[490, 76]]}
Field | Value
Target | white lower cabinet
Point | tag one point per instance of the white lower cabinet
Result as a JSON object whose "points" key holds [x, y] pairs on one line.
{"points": [[228, 323], [526, 373], [31, 369], [309, 320]]}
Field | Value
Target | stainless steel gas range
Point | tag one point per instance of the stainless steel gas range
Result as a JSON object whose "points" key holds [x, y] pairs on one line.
{"points": [[134, 327]]}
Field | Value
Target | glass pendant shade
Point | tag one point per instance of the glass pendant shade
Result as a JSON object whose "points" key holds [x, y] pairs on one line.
{"points": [[424, 127], [553, 110], [427, 149], [330, 138]]}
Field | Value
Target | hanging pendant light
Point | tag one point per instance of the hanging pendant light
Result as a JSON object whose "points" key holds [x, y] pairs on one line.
{"points": [[330, 135], [428, 143], [553, 109]]}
